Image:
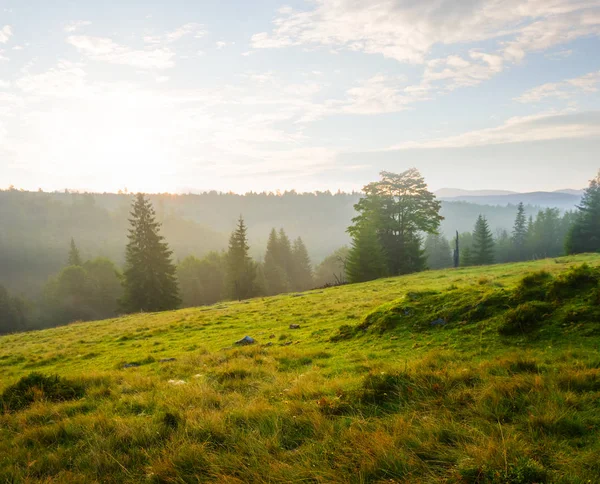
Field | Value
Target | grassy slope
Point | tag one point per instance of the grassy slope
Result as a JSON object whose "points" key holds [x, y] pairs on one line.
{"points": [[457, 403]]}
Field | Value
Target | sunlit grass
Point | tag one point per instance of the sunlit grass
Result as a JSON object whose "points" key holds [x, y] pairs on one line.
{"points": [[456, 402]]}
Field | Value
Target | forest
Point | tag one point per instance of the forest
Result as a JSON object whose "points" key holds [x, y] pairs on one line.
{"points": [[68, 257]]}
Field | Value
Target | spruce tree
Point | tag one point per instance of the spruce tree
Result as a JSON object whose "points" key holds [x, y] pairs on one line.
{"points": [[302, 274], [74, 258], [584, 235], [519, 234], [276, 278], [241, 269], [366, 260], [483, 243], [285, 253], [150, 282]]}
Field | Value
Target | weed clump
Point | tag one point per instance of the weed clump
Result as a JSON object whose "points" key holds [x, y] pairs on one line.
{"points": [[36, 386], [525, 318]]}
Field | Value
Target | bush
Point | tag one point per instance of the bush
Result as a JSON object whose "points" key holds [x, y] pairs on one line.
{"points": [[36, 386], [525, 318]]}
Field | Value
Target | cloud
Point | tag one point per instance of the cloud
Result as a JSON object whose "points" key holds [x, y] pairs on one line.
{"points": [[77, 25], [562, 90], [455, 71], [171, 37], [106, 50], [406, 30], [5, 34], [4, 84], [540, 127], [221, 44]]}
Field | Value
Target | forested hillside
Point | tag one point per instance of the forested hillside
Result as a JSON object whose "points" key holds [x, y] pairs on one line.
{"points": [[37, 226]]}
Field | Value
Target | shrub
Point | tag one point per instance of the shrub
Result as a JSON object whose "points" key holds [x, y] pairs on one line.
{"points": [[525, 318], [36, 386]]}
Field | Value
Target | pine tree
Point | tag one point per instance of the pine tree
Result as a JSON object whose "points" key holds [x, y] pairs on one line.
{"points": [[276, 278], [483, 243], [584, 235], [519, 234], [437, 251], [366, 260], [302, 274], [285, 253], [150, 282], [74, 258], [241, 269]]}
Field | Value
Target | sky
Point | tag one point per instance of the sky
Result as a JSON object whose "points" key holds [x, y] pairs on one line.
{"points": [[238, 95]]}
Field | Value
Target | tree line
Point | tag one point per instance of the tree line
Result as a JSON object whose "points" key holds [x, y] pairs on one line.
{"points": [[151, 281], [37, 226], [397, 231]]}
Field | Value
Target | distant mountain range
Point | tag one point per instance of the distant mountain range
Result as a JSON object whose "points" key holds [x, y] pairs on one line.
{"points": [[565, 199]]}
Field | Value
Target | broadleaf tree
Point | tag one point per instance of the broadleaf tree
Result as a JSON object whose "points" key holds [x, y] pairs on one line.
{"points": [[400, 208]]}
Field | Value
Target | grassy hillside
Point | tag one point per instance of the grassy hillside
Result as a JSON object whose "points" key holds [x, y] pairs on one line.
{"points": [[469, 375]]}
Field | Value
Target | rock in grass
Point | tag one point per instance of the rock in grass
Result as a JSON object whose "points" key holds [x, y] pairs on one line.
{"points": [[294, 326], [177, 382], [246, 340], [439, 322], [131, 365], [166, 360]]}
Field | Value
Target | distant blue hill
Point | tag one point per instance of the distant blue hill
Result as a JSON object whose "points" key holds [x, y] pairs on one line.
{"points": [[565, 200]]}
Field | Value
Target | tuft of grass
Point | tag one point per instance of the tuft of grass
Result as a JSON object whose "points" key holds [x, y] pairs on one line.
{"points": [[525, 318], [38, 387]]}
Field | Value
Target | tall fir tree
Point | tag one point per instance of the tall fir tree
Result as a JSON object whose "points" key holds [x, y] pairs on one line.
{"points": [[584, 235], [519, 234], [366, 260], [276, 278], [241, 269], [74, 258], [483, 243], [302, 273], [149, 279], [285, 253]]}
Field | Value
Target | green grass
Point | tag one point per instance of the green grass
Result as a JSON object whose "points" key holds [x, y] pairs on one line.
{"points": [[505, 387]]}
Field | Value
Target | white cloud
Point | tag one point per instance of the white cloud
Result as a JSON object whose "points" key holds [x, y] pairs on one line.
{"points": [[106, 50], [170, 37], [5, 34], [221, 44], [406, 30], [562, 90], [4, 84], [540, 127], [77, 25], [455, 71]]}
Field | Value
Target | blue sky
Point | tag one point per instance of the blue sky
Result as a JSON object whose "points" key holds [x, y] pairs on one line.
{"points": [[306, 95]]}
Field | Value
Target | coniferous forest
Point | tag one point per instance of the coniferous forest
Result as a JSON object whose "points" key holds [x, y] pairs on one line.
{"points": [[87, 257]]}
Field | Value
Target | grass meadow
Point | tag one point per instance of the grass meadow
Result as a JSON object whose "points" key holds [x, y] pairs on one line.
{"points": [[475, 375]]}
